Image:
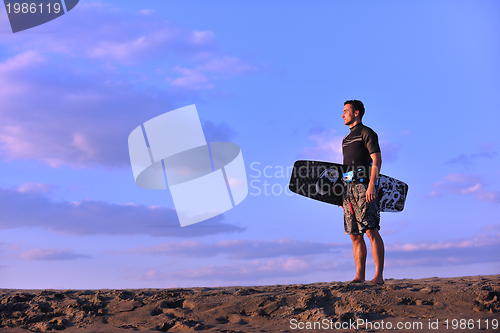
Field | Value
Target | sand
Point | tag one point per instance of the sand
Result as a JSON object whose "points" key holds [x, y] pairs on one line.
{"points": [[424, 305]]}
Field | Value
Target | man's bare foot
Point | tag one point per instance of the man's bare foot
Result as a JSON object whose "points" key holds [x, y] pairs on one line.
{"points": [[357, 281], [377, 281]]}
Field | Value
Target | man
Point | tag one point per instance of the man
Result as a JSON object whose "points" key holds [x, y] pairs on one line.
{"points": [[361, 209]]}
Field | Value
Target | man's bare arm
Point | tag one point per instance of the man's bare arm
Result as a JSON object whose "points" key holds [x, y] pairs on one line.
{"points": [[376, 166]]}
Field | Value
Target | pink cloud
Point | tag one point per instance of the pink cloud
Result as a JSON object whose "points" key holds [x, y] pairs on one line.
{"points": [[464, 184], [476, 249], [477, 241], [173, 248], [435, 194], [21, 61], [17, 65], [35, 188], [328, 146], [241, 272], [275, 271], [472, 189], [459, 184], [120, 51], [492, 227], [50, 254], [146, 12], [227, 65], [152, 42], [31, 142], [202, 37], [489, 196], [191, 79], [198, 78], [241, 248]]}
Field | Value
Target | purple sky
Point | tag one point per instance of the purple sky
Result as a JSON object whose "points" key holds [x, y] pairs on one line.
{"points": [[271, 77]]}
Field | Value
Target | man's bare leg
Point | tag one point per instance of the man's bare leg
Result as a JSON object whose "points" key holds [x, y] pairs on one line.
{"points": [[359, 251], [378, 252]]}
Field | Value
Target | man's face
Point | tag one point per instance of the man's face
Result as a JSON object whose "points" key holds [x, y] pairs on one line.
{"points": [[348, 115]]}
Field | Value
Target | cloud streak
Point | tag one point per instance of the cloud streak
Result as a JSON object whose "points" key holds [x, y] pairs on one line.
{"points": [[91, 217], [287, 258], [243, 273], [242, 249], [51, 254], [482, 248], [470, 159]]}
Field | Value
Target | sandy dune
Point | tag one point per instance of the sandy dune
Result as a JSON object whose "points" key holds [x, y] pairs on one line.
{"points": [[425, 305]]}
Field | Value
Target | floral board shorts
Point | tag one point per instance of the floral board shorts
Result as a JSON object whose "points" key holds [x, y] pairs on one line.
{"points": [[359, 215]]}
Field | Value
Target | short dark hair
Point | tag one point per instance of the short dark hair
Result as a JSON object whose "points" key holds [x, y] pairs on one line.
{"points": [[357, 105]]}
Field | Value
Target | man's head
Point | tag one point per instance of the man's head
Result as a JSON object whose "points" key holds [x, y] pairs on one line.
{"points": [[353, 112]]}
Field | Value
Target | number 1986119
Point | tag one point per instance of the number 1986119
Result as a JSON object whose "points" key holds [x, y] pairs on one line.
{"points": [[471, 324], [33, 8]]}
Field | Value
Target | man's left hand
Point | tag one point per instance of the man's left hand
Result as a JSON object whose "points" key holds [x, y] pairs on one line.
{"points": [[370, 193]]}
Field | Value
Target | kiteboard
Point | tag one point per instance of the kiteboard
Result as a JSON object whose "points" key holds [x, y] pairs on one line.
{"points": [[326, 182]]}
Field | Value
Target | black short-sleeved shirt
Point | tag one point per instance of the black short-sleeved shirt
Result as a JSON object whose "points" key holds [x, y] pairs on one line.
{"points": [[358, 145]]}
